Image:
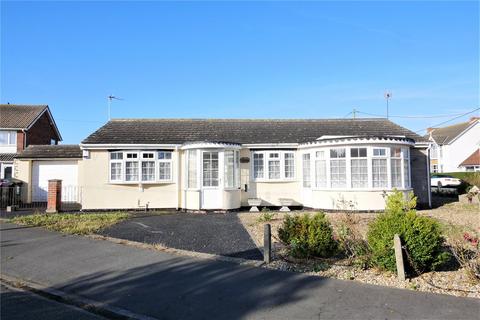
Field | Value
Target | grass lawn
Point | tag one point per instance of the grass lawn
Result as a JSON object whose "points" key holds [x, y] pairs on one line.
{"points": [[73, 223]]}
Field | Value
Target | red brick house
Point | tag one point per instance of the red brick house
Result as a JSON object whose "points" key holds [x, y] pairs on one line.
{"points": [[21, 126]]}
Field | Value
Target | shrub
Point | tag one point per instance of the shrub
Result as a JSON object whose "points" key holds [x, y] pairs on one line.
{"points": [[308, 236], [421, 236], [351, 241], [465, 247], [266, 216]]}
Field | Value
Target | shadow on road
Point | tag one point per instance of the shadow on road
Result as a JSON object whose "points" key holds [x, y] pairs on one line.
{"points": [[178, 289]]}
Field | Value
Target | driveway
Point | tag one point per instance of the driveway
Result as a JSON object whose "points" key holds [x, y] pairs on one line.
{"points": [[214, 233], [166, 286]]}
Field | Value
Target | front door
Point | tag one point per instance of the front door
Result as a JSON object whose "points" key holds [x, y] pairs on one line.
{"points": [[212, 197]]}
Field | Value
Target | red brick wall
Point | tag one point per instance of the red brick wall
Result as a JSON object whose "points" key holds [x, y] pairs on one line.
{"points": [[20, 140], [42, 132], [54, 195]]}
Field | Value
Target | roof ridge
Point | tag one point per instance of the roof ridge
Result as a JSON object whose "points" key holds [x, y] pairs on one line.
{"points": [[243, 119]]}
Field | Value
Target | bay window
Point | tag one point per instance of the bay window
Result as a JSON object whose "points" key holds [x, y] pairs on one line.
{"points": [[306, 170], [338, 172], [137, 166], [274, 165], [358, 167]]}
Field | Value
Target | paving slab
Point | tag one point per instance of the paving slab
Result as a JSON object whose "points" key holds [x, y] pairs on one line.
{"points": [[167, 286]]}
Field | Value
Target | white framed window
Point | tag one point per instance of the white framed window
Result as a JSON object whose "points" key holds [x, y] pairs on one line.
{"points": [[140, 166], [210, 169], [379, 168], [131, 166], [164, 165], [8, 138], [237, 169], [148, 166], [362, 167], [406, 167], [338, 170], [192, 169], [289, 165], [229, 170], [274, 165], [116, 165], [306, 170], [396, 167], [320, 169], [359, 168], [258, 165]]}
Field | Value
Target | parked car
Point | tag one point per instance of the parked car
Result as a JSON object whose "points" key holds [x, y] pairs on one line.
{"points": [[443, 180]]}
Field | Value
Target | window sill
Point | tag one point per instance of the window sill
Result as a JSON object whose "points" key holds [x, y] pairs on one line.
{"points": [[140, 182], [360, 190], [274, 180]]}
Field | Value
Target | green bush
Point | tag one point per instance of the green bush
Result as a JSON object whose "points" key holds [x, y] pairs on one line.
{"points": [[308, 236], [421, 236]]}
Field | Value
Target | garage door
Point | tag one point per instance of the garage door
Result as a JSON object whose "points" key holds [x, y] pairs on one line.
{"points": [[42, 171]]}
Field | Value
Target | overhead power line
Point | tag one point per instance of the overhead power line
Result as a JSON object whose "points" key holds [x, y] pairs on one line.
{"points": [[444, 122], [414, 117]]}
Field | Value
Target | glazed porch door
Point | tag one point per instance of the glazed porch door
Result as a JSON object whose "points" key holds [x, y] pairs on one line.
{"points": [[212, 187]]}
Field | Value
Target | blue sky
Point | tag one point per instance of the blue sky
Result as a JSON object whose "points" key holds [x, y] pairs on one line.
{"points": [[239, 59]]}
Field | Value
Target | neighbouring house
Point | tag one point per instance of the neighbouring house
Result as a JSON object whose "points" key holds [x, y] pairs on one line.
{"points": [[452, 145], [21, 126], [39, 163], [472, 163]]}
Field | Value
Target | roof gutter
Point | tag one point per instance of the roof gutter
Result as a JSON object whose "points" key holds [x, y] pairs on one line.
{"points": [[86, 146]]}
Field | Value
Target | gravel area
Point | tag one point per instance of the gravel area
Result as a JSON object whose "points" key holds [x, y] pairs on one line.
{"points": [[452, 282], [221, 234]]}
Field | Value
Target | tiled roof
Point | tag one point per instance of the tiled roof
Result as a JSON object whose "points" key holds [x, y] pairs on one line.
{"points": [[446, 134], [7, 156], [15, 116], [472, 160], [51, 151], [244, 131]]}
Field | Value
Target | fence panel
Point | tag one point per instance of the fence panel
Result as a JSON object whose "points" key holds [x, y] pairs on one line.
{"points": [[71, 198], [17, 196]]}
